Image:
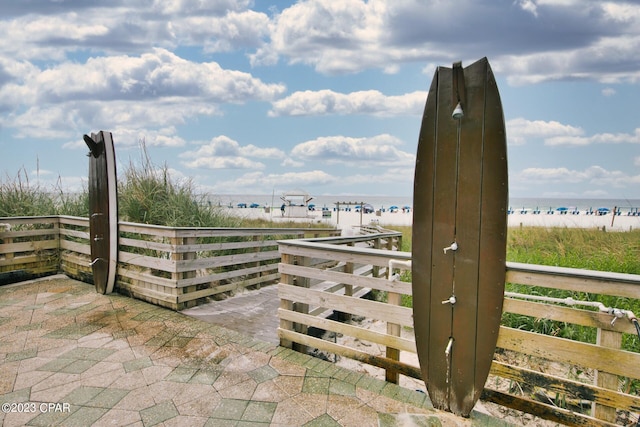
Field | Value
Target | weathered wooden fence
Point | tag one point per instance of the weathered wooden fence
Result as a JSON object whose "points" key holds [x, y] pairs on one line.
{"points": [[174, 267], [548, 376]]}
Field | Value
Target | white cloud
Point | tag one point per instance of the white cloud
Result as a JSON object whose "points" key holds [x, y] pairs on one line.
{"points": [[519, 129], [358, 152], [223, 152], [263, 183], [153, 75], [229, 162], [609, 91], [324, 102], [155, 89], [600, 138], [594, 175]]}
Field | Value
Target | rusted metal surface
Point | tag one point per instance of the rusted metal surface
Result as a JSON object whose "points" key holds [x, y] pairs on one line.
{"points": [[461, 197], [103, 210]]}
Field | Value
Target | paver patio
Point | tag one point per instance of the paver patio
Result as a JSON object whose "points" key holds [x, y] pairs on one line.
{"points": [[70, 356]]}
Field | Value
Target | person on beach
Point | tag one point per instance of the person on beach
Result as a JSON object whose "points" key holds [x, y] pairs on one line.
{"points": [[282, 209]]}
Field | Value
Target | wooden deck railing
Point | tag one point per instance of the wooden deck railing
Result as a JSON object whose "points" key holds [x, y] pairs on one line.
{"points": [[175, 267], [545, 375]]}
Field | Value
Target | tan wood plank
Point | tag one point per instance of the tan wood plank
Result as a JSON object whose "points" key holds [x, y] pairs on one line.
{"points": [[370, 309], [617, 362]]}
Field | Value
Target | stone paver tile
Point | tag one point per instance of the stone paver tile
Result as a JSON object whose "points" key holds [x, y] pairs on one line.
{"points": [[179, 341], [286, 368], [230, 378], [21, 395], [108, 398], [21, 355], [289, 412], [341, 387], [269, 392], [181, 374], [200, 406], [314, 404], [216, 422], [243, 390], [360, 416], [82, 395], [28, 379], [78, 366], [118, 417], [290, 385], [134, 365], [207, 375], [230, 409], [8, 375], [386, 404], [186, 420], [263, 373], [155, 373], [56, 365], [165, 390], [129, 381], [50, 418], [17, 419], [261, 412], [84, 416], [323, 420], [340, 406], [316, 385], [136, 400], [158, 413], [55, 390]]}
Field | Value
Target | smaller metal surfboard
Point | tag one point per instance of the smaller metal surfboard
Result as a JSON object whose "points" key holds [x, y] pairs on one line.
{"points": [[103, 210], [459, 234]]}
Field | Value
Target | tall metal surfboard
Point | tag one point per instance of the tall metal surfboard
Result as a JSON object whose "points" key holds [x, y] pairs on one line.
{"points": [[459, 234], [103, 210]]}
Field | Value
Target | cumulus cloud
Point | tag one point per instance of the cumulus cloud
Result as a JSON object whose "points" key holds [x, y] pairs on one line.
{"points": [[547, 40], [152, 75], [519, 129], [157, 89], [325, 102], [595, 175], [357, 152], [223, 152], [600, 138], [264, 183]]}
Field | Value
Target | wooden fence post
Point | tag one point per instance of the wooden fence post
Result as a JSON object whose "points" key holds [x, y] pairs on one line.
{"points": [[348, 291], [286, 304], [608, 339], [179, 256], [300, 307], [391, 375]]}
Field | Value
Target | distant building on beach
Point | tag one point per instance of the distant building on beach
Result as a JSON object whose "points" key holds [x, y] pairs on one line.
{"points": [[295, 204]]}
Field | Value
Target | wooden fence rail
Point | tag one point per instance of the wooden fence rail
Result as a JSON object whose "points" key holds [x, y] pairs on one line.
{"points": [[562, 379], [175, 267]]}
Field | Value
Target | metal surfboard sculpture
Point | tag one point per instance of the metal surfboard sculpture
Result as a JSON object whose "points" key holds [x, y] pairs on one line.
{"points": [[103, 210], [459, 234]]}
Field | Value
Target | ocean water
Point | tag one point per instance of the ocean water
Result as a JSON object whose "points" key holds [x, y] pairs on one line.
{"points": [[385, 202]]}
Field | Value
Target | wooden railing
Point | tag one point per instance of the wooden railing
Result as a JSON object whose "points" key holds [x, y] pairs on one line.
{"points": [[548, 376], [169, 266]]}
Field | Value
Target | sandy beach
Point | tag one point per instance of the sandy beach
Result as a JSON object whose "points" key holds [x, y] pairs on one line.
{"points": [[348, 221]]}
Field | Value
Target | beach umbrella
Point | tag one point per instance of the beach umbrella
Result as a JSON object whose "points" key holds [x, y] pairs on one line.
{"points": [[562, 209], [393, 207]]}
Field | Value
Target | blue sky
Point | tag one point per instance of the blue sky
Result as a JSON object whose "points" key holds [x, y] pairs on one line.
{"points": [[255, 97]]}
